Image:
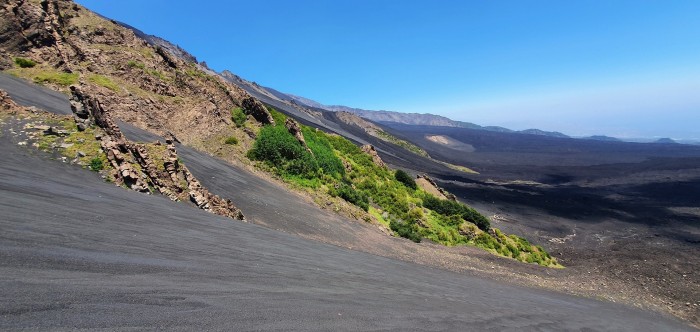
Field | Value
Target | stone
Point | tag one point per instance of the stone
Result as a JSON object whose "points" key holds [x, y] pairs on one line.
{"points": [[294, 129], [252, 106], [370, 150], [54, 131]]}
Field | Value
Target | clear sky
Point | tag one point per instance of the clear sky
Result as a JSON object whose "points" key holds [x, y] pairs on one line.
{"points": [[621, 68]]}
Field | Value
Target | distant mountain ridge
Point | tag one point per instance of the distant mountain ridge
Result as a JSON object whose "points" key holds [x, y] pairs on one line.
{"points": [[418, 119]]}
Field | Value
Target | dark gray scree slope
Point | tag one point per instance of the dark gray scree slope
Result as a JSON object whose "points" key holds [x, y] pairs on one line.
{"points": [[76, 252]]}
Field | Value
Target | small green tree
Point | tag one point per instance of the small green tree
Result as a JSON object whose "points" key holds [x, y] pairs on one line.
{"points": [[406, 179]]}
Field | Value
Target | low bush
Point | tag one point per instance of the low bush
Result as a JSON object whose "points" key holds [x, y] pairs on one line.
{"points": [[276, 146], [351, 195], [405, 178], [231, 141], [96, 164], [25, 63], [406, 230], [450, 208]]}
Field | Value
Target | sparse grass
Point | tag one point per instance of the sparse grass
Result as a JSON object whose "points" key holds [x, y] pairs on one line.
{"points": [[157, 73], [55, 77], [458, 167], [136, 64], [401, 143], [378, 216], [104, 81], [231, 141], [158, 154], [238, 116]]}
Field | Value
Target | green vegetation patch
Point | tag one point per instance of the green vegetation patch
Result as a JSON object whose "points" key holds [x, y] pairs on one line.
{"points": [[136, 64], [406, 179], [25, 63], [238, 117], [451, 208], [339, 168], [103, 81], [231, 141], [404, 144], [59, 78]]}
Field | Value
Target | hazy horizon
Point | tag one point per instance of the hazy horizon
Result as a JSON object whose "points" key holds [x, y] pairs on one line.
{"points": [[626, 69]]}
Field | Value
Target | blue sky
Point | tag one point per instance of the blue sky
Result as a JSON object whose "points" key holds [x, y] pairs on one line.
{"points": [[621, 68]]}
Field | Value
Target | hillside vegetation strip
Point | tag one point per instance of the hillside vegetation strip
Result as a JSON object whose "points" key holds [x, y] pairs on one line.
{"points": [[339, 168]]}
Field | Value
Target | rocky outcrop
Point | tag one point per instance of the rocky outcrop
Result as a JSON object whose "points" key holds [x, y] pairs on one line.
{"points": [[145, 84], [252, 106], [136, 169], [370, 150], [24, 20], [431, 187], [294, 129]]}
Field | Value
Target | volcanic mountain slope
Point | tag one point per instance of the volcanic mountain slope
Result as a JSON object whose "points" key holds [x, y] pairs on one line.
{"points": [[89, 255], [167, 260], [156, 90], [120, 72]]}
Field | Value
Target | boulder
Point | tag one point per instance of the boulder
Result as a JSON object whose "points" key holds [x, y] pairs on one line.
{"points": [[370, 150], [294, 129], [252, 106]]}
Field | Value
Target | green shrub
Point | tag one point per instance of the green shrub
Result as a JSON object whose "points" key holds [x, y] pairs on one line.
{"points": [[276, 146], [351, 195], [96, 164], [326, 159], [25, 63], [304, 166], [449, 208], [405, 178], [231, 141], [406, 230], [238, 117]]}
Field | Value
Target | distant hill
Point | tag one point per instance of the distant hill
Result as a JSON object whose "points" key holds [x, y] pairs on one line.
{"points": [[665, 140], [603, 138], [543, 133], [416, 119]]}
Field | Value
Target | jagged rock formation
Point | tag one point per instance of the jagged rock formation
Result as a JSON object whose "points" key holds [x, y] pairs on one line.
{"points": [[294, 129], [252, 106], [370, 150], [136, 169], [431, 187]]}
